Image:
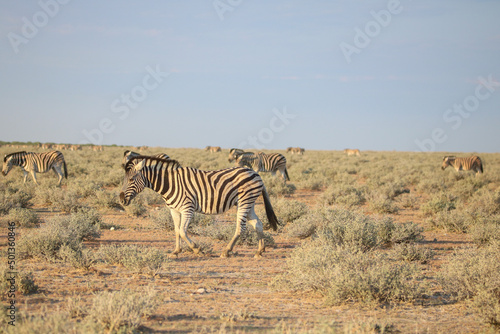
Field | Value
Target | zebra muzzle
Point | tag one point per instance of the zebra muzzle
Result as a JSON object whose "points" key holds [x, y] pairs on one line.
{"points": [[122, 199]]}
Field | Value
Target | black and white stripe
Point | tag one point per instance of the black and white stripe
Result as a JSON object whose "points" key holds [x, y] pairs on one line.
{"points": [[127, 155], [473, 163], [234, 153], [36, 162], [188, 190], [262, 162]]}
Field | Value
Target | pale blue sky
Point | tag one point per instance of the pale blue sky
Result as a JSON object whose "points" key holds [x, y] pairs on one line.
{"points": [[374, 75]]}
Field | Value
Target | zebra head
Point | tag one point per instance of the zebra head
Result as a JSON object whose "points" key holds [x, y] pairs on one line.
{"points": [[134, 181], [8, 162], [447, 162]]}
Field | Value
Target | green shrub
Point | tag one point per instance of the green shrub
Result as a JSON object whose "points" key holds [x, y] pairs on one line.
{"points": [[14, 198], [486, 230], [382, 204]]}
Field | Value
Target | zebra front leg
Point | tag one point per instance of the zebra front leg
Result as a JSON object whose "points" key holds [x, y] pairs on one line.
{"points": [[256, 223], [176, 216]]}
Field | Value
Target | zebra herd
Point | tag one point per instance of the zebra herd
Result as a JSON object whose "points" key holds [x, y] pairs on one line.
{"points": [[187, 190]]}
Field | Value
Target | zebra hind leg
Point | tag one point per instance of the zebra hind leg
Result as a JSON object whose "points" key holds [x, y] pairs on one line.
{"points": [[185, 220], [176, 217], [33, 175], [240, 228], [59, 173], [256, 223]]}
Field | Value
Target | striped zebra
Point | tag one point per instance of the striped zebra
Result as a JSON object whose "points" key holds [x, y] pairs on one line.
{"points": [[234, 153], [188, 190], [295, 150], [36, 162], [213, 149], [352, 152], [471, 163], [262, 162], [127, 155]]}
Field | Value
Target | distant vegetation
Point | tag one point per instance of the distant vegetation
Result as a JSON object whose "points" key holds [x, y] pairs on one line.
{"points": [[352, 245]]}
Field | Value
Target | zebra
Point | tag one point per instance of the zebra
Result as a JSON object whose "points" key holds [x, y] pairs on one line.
{"points": [[262, 162], [471, 163], [352, 152], [234, 153], [295, 150], [186, 190], [213, 149], [36, 162], [127, 155]]}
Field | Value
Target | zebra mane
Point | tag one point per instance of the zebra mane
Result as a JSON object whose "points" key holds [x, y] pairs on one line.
{"points": [[133, 160], [11, 154], [127, 152]]}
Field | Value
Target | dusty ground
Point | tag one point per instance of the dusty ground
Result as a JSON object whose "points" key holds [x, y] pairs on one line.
{"points": [[211, 294]]}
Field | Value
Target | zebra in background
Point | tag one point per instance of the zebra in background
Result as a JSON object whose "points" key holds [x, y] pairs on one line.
{"points": [[188, 190], [262, 162], [36, 162], [471, 163], [213, 149], [295, 150], [234, 153], [127, 155], [352, 152]]}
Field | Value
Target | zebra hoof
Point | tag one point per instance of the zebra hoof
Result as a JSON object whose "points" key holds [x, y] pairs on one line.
{"points": [[258, 255], [225, 254]]}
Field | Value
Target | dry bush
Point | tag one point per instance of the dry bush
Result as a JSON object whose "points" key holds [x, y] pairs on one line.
{"points": [[344, 274], [123, 310], [138, 259], [51, 323], [345, 195], [412, 252], [24, 281], [474, 274], [23, 217], [69, 231]]}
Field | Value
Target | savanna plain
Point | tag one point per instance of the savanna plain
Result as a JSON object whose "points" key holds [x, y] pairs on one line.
{"points": [[385, 242]]}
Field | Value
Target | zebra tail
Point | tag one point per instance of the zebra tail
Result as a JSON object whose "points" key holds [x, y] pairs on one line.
{"points": [[271, 216], [65, 169]]}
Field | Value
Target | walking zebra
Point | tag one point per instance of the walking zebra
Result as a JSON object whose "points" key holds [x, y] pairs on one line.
{"points": [[187, 190], [262, 162], [471, 163], [234, 153], [127, 155], [213, 149], [352, 152], [36, 162], [295, 150]]}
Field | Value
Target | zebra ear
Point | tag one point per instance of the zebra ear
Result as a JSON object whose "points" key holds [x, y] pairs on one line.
{"points": [[140, 165]]}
